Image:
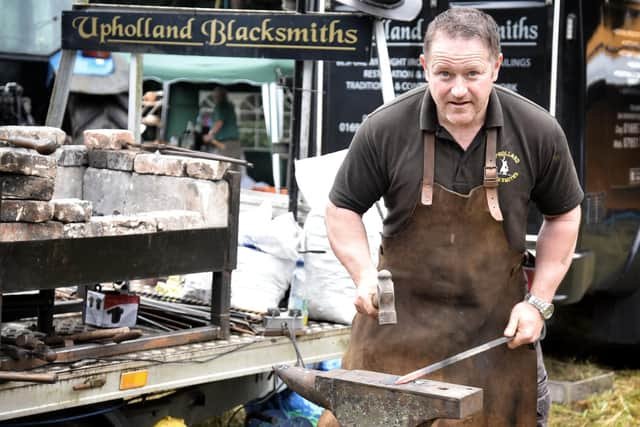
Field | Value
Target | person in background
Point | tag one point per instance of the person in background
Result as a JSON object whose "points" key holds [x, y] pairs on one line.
{"points": [[222, 136]]}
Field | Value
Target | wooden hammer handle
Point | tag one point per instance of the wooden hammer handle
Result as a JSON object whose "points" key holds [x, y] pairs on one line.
{"points": [[25, 376], [42, 146], [98, 334]]}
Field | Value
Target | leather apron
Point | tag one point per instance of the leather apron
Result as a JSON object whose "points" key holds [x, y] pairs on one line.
{"points": [[456, 280]]}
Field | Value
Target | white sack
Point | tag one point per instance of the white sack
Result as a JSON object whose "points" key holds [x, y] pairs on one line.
{"points": [[327, 283], [267, 253]]}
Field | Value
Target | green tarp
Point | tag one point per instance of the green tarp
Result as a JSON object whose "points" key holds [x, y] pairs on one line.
{"points": [[223, 70]]}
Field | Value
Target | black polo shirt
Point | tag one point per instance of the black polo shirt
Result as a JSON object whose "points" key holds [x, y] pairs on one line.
{"points": [[385, 159]]}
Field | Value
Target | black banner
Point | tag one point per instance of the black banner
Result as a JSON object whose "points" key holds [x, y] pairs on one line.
{"points": [[354, 90], [332, 37]]}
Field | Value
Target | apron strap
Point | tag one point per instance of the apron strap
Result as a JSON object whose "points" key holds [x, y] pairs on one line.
{"points": [[490, 180], [428, 170]]}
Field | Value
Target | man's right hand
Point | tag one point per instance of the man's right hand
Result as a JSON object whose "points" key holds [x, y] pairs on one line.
{"points": [[365, 291]]}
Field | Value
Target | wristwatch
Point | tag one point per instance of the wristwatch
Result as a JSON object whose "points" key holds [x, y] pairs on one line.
{"points": [[545, 308]]}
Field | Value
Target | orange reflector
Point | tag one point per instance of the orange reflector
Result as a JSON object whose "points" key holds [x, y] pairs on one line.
{"points": [[133, 379]]}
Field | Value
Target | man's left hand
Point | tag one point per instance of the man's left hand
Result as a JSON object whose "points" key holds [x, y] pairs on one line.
{"points": [[525, 325]]}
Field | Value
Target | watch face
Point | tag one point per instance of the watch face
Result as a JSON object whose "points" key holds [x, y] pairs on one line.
{"points": [[547, 312]]}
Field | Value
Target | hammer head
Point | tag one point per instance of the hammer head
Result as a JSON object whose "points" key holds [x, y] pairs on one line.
{"points": [[386, 300], [359, 398]]}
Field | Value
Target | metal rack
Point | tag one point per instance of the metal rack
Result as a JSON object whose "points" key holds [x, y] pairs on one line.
{"points": [[47, 264]]}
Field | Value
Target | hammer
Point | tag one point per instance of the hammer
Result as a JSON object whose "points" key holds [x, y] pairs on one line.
{"points": [[384, 300], [42, 146], [366, 398]]}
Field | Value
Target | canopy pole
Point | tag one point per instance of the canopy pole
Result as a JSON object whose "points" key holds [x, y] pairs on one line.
{"points": [[135, 96], [294, 146], [61, 88]]}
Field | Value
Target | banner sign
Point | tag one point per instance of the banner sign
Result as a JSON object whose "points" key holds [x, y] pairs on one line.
{"points": [[353, 87], [331, 37]]}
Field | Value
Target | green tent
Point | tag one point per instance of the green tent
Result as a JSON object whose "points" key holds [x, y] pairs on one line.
{"points": [[253, 71], [182, 76]]}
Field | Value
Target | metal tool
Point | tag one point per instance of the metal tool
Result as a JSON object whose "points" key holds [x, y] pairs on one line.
{"points": [[365, 398], [181, 151], [453, 359], [385, 300], [42, 146]]}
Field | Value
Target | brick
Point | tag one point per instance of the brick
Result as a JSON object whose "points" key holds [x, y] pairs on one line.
{"points": [[106, 190], [153, 193], [22, 161], [117, 225], [175, 219], [69, 181], [107, 139], [17, 231], [26, 187], [158, 164], [72, 155], [25, 211], [206, 169], [71, 210], [121, 160], [37, 132], [75, 230]]}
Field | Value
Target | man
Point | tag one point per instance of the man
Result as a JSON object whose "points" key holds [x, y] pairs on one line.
{"points": [[454, 235], [223, 137]]}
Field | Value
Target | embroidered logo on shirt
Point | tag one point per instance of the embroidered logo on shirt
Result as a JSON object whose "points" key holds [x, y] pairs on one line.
{"points": [[507, 166]]}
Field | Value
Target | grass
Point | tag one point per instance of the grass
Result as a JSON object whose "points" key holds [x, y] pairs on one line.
{"points": [[619, 407]]}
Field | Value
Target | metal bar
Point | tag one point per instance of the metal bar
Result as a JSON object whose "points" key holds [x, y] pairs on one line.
{"points": [[152, 342], [61, 87], [135, 95], [453, 359], [45, 264], [45, 310]]}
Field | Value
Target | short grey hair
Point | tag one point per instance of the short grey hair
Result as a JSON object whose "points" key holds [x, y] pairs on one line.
{"points": [[467, 23]]}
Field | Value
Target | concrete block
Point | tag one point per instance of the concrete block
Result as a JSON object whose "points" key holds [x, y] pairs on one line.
{"points": [[121, 160], [36, 132], [159, 164], [107, 190], [72, 155], [22, 161], [153, 193], [25, 211], [175, 219], [26, 187], [107, 139], [71, 210], [17, 231], [69, 181], [206, 169], [565, 392]]}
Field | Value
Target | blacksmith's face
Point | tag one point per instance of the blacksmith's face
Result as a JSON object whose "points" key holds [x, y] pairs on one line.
{"points": [[460, 72]]}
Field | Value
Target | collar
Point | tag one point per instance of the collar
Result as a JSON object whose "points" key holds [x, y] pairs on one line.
{"points": [[429, 117]]}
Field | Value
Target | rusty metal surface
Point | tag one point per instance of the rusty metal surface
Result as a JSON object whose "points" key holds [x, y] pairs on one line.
{"points": [[368, 398]]}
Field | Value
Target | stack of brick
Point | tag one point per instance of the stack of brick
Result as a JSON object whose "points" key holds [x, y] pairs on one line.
{"points": [[27, 211], [125, 181], [104, 189]]}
